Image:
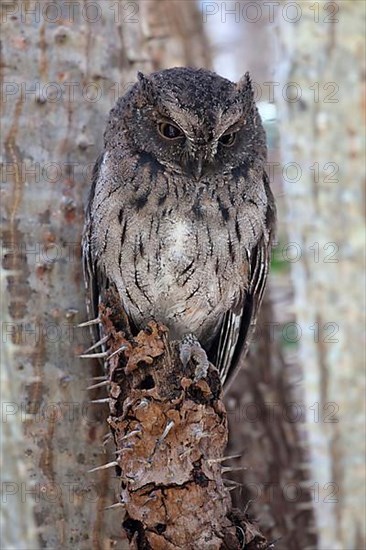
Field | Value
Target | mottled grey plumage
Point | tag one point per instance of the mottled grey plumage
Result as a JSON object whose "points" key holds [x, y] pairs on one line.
{"points": [[180, 213]]}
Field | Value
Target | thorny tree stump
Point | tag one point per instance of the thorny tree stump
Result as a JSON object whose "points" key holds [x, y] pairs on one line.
{"points": [[170, 433]]}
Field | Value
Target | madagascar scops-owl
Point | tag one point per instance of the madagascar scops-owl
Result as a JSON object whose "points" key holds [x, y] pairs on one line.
{"points": [[180, 214]]}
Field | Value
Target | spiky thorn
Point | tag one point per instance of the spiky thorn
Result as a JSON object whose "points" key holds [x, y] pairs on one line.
{"points": [[233, 485], [122, 348], [125, 450], [131, 434], [232, 482], [89, 323], [271, 544], [250, 501], [99, 385], [116, 505], [99, 401], [225, 469], [106, 439], [98, 378], [94, 355], [167, 429], [104, 467], [212, 460], [99, 343]]}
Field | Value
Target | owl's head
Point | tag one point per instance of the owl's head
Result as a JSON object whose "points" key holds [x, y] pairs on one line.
{"points": [[192, 121]]}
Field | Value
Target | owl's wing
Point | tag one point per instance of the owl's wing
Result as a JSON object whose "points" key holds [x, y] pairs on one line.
{"points": [[239, 323], [94, 279]]}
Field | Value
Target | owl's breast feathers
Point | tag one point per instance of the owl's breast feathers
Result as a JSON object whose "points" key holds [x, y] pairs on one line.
{"points": [[182, 260]]}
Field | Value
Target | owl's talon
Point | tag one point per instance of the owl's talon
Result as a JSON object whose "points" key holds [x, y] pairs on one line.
{"points": [[201, 370], [190, 348]]}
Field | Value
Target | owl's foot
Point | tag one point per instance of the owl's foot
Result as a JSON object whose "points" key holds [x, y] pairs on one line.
{"points": [[190, 348]]}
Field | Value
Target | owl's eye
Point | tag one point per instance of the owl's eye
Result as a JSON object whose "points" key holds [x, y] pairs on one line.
{"points": [[169, 131], [228, 139]]}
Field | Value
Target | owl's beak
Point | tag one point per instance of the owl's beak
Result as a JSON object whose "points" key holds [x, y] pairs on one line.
{"points": [[197, 168], [198, 164]]}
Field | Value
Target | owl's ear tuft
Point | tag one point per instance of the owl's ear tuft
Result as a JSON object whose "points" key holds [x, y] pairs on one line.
{"points": [[141, 77], [146, 86], [245, 88]]}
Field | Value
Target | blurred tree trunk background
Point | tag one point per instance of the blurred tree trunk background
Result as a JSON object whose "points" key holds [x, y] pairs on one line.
{"points": [[323, 132]]}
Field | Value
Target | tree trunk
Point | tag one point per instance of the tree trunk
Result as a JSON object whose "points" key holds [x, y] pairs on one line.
{"points": [[323, 56], [63, 65]]}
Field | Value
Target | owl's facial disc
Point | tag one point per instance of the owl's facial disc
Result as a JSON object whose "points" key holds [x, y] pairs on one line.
{"points": [[195, 142], [194, 122]]}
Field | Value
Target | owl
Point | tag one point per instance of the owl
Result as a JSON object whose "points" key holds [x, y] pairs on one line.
{"points": [[180, 216]]}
